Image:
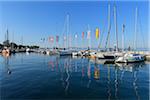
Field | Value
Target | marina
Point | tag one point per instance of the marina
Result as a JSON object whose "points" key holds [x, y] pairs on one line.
{"points": [[74, 50]]}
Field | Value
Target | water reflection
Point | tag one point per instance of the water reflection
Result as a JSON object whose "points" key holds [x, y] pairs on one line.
{"points": [[83, 70], [7, 65], [89, 74], [96, 72], [64, 71], [135, 85], [51, 65], [94, 79], [116, 83], [70, 65], [108, 82], [134, 69], [67, 71], [131, 67]]}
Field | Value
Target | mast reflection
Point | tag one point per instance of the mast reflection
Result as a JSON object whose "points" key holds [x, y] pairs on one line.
{"points": [[65, 74], [116, 82], [108, 82], [66, 67], [96, 72], [7, 66], [89, 74], [135, 85], [133, 68]]}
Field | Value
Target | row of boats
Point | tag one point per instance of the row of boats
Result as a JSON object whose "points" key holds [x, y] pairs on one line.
{"points": [[118, 57], [113, 56]]}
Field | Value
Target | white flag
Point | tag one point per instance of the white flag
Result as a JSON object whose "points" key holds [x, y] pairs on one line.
{"points": [[88, 34]]}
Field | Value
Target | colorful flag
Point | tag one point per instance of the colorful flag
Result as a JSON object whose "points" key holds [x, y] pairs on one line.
{"points": [[97, 33], [88, 34], [82, 34], [52, 39]]}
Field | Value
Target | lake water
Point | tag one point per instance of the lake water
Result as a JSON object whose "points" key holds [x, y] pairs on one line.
{"points": [[36, 76]]}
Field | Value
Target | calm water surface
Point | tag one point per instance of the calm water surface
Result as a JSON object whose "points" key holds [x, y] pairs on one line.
{"points": [[35, 76]]}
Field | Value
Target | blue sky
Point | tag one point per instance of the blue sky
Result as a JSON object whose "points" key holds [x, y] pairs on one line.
{"points": [[35, 20]]}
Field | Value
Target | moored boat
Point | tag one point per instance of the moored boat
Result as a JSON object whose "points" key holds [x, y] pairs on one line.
{"points": [[6, 52], [99, 55], [109, 56], [130, 58], [65, 53], [75, 53]]}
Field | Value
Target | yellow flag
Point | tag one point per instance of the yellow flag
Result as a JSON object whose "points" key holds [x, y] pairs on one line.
{"points": [[97, 33]]}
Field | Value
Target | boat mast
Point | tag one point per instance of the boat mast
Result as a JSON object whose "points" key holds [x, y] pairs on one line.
{"points": [[21, 40], [7, 35], [7, 38], [115, 22], [13, 38], [68, 30], [109, 27], [12, 46], [135, 31], [123, 29], [64, 33]]}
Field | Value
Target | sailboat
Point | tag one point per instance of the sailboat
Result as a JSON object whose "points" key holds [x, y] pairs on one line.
{"points": [[66, 51], [6, 50], [131, 57], [109, 54], [116, 53]]}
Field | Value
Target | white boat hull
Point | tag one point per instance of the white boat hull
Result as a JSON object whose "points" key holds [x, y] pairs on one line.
{"points": [[130, 58]]}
